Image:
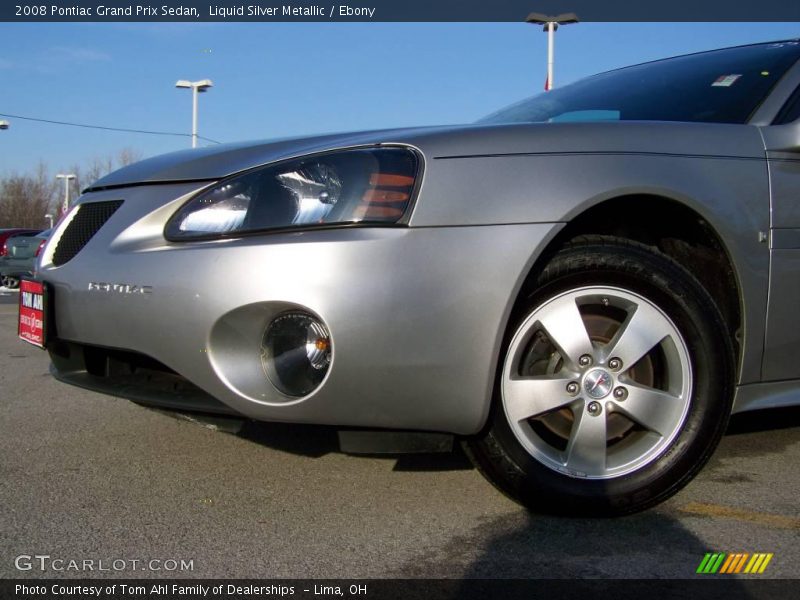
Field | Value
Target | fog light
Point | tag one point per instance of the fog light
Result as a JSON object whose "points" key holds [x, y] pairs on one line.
{"points": [[296, 352]]}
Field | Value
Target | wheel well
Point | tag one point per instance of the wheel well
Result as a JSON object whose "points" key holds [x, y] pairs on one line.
{"points": [[674, 229]]}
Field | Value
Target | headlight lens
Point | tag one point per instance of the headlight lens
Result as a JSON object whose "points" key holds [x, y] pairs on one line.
{"points": [[371, 185], [296, 352]]}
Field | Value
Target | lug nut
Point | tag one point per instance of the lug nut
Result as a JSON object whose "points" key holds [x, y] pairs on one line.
{"points": [[585, 360], [615, 364], [594, 408], [620, 393], [572, 388]]}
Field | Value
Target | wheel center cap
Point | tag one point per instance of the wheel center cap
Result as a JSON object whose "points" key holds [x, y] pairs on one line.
{"points": [[598, 383]]}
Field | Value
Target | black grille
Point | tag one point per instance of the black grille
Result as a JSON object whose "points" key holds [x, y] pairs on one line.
{"points": [[86, 222]]}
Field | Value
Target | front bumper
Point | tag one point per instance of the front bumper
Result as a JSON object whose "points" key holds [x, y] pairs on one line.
{"points": [[416, 315]]}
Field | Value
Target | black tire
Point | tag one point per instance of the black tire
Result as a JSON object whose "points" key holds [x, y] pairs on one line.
{"points": [[516, 455]]}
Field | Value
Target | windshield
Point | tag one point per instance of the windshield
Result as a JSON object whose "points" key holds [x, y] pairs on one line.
{"points": [[722, 86]]}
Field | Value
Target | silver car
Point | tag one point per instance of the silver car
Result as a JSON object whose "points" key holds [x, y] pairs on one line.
{"points": [[581, 287]]}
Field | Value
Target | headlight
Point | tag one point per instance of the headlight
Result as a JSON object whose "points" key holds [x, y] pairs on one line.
{"points": [[371, 186]]}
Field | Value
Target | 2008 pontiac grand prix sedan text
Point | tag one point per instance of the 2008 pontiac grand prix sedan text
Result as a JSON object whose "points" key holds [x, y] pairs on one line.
{"points": [[583, 286]]}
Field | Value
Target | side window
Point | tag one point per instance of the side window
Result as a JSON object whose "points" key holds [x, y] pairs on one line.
{"points": [[791, 110]]}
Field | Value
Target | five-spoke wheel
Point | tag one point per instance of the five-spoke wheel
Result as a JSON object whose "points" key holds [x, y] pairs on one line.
{"points": [[596, 382], [614, 386]]}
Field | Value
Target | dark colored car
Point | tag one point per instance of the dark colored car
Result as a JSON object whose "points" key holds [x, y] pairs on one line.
{"points": [[18, 255]]}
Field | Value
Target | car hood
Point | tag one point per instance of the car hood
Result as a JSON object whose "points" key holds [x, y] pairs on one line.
{"points": [[215, 162]]}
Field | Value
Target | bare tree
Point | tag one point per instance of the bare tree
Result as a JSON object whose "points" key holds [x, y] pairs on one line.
{"points": [[25, 199], [99, 167], [128, 156], [94, 170]]}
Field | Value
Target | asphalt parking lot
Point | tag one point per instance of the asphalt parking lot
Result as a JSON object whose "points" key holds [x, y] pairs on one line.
{"points": [[86, 476]]}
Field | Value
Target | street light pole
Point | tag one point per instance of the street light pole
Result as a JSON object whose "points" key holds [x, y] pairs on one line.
{"points": [[66, 177], [194, 117], [551, 24], [197, 87], [4, 124], [551, 29]]}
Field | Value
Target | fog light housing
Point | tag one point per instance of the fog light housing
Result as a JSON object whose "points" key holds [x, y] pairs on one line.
{"points": [[296, 352]]}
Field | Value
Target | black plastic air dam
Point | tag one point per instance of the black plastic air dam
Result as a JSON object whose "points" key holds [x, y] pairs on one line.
{"points": [[131, 376]]}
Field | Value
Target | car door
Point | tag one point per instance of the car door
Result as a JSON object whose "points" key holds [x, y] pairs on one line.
{"points": [[782, 341]]}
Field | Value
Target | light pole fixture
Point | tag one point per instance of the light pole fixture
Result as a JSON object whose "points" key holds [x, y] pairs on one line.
{"points": [[197, 87], [550, 24], [66, 177], [49, 217], [4, 124]]}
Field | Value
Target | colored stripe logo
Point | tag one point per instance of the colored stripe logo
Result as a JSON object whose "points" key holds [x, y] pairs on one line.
{"points": [[737, 562]]}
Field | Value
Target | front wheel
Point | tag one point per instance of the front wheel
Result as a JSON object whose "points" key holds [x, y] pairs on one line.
{"points": [[614, 387]]}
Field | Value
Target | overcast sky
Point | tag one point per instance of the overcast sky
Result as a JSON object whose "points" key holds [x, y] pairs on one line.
{"points": [[284, 79]]}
